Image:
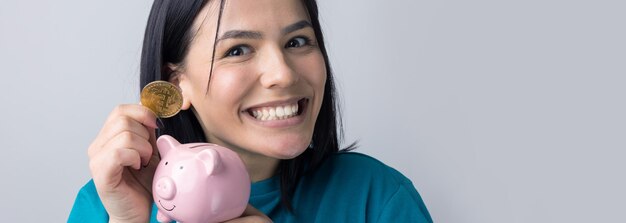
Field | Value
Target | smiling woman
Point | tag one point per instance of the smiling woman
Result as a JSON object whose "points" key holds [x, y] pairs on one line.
{"points": [[255, 78]]}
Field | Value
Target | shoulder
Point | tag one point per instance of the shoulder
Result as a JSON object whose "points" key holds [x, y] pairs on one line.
{"points": [[370, 189], [362, 166]]}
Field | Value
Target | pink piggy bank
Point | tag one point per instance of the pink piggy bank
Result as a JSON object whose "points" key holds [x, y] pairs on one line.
{"points": [[199, 182]]}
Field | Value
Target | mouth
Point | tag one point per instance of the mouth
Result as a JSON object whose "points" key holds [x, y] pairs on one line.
{"points": [[170, 209], [278, 111]]}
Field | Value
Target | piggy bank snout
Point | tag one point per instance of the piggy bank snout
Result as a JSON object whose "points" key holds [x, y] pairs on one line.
{"points": [[165, 188]]}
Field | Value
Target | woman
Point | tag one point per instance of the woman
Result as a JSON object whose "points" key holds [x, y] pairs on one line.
{"points": [[255, 78]]}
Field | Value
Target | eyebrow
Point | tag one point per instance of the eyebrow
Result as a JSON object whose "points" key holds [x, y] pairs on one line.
{"points": [[296, 26], [240, 34], [245, 34]]}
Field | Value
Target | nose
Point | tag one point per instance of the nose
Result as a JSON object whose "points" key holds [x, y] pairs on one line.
{"points": [[165, 188], [278, 70]]}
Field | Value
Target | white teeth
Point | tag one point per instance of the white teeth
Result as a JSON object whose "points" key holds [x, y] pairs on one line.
{"points": [[280, 112], [275, 113], [266, 114], [288, 110]]}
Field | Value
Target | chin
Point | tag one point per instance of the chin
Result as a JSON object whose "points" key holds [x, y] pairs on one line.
{"points": [[286, 151], [279, 146], [287, 155]]}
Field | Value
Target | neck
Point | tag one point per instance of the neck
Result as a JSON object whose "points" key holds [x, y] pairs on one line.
{"points": [[259, 167]]}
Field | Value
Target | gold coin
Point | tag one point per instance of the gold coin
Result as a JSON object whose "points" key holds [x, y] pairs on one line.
{"points": [[163, 98]]}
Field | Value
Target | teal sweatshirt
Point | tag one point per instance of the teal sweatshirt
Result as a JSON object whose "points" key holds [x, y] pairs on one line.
{"points": [[348, 187]]}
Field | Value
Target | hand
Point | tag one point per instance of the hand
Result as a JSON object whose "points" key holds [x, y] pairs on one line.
{"points": [[251, 215], [122, 163]]}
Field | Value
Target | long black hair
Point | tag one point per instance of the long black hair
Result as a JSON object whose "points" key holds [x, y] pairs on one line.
{"points": [[167, 38]]}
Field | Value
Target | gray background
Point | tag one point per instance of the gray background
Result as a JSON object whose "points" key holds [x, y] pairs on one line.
{"points": [[498, 111]]}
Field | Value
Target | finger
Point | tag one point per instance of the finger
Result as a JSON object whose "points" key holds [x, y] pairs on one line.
{"points": [[251, 214], [155, 152], [137, 112], [124, 116], [128, 140], [124, 122], [107, 169], [250, 219], [114, 127], [251, 210]]}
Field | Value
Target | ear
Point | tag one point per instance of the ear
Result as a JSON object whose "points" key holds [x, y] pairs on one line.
{"points": [[178, 78], [211, 160], [165, 143]]}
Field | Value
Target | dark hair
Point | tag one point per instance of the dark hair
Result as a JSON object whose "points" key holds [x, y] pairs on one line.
{"points": [[167, 38]]}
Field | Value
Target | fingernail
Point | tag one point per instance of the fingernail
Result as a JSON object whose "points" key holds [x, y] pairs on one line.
{"points": [[160, 124], [144, 166]]}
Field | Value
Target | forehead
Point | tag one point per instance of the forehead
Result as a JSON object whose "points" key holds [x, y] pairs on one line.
{"points": [[258, 15]]}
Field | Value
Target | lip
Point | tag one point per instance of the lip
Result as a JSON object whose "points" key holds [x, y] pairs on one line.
{"points": [[283, 123]]}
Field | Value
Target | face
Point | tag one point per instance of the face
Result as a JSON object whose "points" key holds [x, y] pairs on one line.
{"points": [[268, 77]]}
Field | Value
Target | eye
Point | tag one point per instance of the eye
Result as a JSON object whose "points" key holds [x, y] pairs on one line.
{"points": [[238, 50], [166, 163], [297, 42], [181, 167]]}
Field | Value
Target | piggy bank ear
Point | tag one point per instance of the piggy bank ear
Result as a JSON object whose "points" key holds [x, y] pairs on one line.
{"points": [[210, 159], [165, 143]]}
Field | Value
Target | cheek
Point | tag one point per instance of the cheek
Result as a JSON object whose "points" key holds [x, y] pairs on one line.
{"points": [[228, 85], [227, 88], [314, 70]]}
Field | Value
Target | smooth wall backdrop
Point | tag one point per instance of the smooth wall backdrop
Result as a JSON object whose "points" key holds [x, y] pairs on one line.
{"points": [[498, 111]]}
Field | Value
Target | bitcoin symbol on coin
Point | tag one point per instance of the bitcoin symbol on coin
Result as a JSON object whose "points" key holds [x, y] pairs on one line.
{"points": [[163, 98]]}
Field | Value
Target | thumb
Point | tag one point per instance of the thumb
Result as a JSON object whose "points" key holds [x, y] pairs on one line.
{"points": [[251, 215]]}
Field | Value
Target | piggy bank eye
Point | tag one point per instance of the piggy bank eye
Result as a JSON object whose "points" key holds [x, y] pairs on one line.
{"points": [[181, 167], [166, 163]]}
